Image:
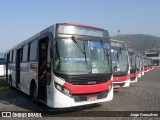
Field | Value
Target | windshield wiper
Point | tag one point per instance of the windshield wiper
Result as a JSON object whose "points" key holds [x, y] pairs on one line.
{"points": [[78, 45], [119, 53], [83, 51], [106, 53]]}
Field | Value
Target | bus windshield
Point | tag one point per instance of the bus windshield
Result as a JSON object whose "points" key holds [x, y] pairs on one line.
{"points": [[82, 57], [119, 60], [132, 61]]}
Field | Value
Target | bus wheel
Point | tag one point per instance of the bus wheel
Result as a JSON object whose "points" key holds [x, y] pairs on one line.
{"points": [[10, 82], [34, 93]]}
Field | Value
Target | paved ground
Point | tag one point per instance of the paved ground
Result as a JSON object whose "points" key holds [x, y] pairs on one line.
{"points": [[141, 96]]}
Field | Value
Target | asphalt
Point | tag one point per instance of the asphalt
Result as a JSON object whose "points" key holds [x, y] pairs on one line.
{"points": [[140, 98]]}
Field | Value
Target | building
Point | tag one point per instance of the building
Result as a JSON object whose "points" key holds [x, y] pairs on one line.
{"points": [[155, 56]]}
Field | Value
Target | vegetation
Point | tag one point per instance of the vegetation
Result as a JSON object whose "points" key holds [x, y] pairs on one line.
{"points": [[3, 84], [140, 42]]}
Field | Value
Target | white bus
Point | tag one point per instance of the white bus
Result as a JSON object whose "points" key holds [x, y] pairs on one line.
{"points": [[133, 69], [138, 65], [2, 65], [64, 65], [120, 64]]}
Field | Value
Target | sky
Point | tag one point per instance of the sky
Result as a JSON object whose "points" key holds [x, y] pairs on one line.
{"points": [[20, 19]]}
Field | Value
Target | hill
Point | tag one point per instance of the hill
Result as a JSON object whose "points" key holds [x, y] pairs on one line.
{"points": [[140, 42]]}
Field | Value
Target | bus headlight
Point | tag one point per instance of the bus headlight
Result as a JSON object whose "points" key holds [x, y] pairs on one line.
{"points": [[59, 87], [62, 89], [66, 91], [110, 88]]}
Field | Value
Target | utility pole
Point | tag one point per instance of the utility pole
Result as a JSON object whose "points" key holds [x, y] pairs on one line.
{"points": [[118, 34]]}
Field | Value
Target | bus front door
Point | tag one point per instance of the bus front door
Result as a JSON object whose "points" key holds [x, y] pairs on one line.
{"points": [[42, 70], [18, 60]]}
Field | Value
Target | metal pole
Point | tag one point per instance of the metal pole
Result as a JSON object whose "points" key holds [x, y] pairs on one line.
{"points": [[118, 34]]}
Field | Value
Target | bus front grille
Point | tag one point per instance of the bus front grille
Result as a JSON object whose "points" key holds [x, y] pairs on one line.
{"points": [[85, 80], [81, 98]]}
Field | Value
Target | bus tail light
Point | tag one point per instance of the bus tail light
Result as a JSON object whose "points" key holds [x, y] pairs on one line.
{"points": [[62, 89]]}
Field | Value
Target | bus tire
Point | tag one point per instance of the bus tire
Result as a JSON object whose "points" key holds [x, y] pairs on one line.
{"points": [[34, 92], [10, 82]]}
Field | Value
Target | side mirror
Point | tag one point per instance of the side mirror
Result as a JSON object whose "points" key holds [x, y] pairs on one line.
{"points": [[51, 52]]}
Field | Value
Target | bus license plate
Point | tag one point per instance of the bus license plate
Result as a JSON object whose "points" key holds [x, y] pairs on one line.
{"points": [[91, 98]]}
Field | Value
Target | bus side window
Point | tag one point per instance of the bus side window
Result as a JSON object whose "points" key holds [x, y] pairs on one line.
{"points": [[11, 57], [14, 56], [25, 53], [33, 51]]}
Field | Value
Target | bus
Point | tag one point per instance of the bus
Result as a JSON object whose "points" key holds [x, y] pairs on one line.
{"points": [[151, 63], [2, 65], [133, 69], [65, 65], [142, 65], [138, 65], [120, 64], [146, 64]]}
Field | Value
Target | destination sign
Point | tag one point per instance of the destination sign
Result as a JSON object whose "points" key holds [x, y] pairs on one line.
{"points": [[80, 30], [117, 44]]}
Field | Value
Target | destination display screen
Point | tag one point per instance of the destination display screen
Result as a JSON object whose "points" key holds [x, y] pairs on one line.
{"points": [[86, 31], [117, 44]]}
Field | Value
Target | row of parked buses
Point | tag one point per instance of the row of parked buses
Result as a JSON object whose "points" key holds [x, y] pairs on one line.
{"points": [[127, 64], [71, 64]]}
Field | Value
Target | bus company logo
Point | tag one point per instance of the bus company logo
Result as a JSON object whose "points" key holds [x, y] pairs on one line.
{"points": [[6, 114]]}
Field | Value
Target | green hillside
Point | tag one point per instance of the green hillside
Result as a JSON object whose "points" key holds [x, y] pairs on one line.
{"points": [[140, 42]]}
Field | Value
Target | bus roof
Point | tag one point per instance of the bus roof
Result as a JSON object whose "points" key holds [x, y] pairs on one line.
{"points": [[84, 25], [49, 29]]}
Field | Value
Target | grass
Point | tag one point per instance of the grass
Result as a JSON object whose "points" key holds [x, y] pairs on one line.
{"points": [[3, 84]]}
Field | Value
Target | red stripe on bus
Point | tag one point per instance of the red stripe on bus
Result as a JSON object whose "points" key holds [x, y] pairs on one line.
{"points": [[146, 68], [120, 79], [85, 89], [133, 75], [138, 72]]}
